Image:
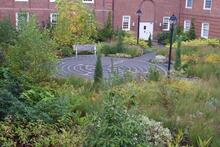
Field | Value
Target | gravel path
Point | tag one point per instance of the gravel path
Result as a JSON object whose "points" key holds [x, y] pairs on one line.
{"points": [[84, 65]]}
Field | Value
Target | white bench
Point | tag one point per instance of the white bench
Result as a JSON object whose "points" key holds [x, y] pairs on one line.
{"points": [[87, 47]]}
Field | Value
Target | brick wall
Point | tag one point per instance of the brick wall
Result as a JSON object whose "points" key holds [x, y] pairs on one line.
{"points": [[209, 16], [152, 12]]}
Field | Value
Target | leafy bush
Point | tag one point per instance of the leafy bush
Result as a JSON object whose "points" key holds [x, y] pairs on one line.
{"points": [[156, 135], [153, 74], [163, 38], [107, 32], [192, 31], [115, 126], [130, 39], [71, 29], [21, 133], [66, 51], [9, 104], [133, 51], [32, 55], [7, 33]]}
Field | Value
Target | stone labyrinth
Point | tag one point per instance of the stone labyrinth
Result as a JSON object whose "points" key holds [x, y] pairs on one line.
{"points": [[84, 66]]}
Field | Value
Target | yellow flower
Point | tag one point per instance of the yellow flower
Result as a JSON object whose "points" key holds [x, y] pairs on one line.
{"points": [[212, 58]]}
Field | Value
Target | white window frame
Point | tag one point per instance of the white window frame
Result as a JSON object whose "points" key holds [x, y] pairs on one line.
{"points": [[186, 22], [88, 1], [16, 18], [168, 27], [129, 23], [188, 6], [204, 5], [52, 1], [21, 0], [51, 18], [202, 30]]}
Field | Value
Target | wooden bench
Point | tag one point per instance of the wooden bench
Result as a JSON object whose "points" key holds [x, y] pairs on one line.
{"points": [[86, 47]]}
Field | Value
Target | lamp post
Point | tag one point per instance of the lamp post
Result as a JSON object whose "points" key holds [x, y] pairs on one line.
{"points": [[138, 13], [173, 21]]}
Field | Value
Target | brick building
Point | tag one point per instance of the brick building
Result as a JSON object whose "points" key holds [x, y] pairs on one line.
{"points": [[155, 17]]}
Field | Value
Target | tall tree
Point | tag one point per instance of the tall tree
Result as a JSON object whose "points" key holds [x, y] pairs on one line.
{"points": [[75, 24]]}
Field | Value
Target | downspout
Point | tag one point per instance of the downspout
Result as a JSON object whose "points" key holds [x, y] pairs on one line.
{"points": [[180, 11], [113, 14]]}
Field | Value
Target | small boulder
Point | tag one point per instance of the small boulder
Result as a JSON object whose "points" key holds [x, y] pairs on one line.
{"points": [[160, 59]]}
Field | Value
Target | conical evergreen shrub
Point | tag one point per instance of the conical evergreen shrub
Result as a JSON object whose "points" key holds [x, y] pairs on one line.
{"points": [[98, 75], [177, 64]]}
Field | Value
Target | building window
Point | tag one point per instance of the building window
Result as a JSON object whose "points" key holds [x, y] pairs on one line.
{"points": [[21, 18], [53, 19], [21, 0], [207, 4], [126, 23], [189, 4], [205, 30], [166, 23], [52, 0], [88, 1], [187, 24]]}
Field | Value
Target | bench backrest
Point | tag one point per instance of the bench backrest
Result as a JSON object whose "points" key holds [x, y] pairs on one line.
{"points": [[88, 47]]}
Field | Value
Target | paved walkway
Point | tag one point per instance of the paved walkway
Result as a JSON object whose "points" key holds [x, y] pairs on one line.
{"points": [[84, 65]]}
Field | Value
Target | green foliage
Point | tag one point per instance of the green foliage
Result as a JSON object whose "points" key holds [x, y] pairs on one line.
{"points": [[130, 39], [192, 31], [153, 74], [72, 29], [133, 51], [32, 55], [9, 104], [149, 43], [66, 51], [163, 38], [177, 64], [98, 75], [22, 133], [204, 143], [120, 45], [106, 33], [115, 126], [7, 33]]}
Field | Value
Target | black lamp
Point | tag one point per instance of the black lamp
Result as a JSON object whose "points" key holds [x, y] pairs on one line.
{"points": [[173, 21], [138, 13]]}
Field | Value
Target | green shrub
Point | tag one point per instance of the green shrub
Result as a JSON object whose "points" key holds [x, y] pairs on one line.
{"points": [[22, 133], [130, 39], [32, 55], [153, 74], [149, 43], [115, 126], [133, 51], [192, 32], [66, 51], [109, 49], [163, 38], [177, 64], [107, 32], [98, 75], [7, 33]]}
